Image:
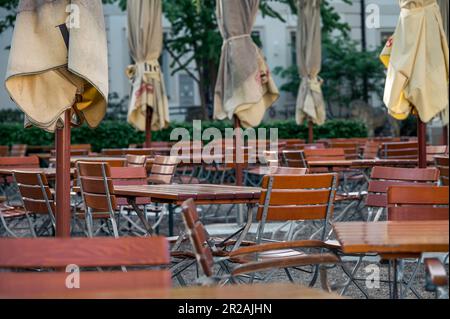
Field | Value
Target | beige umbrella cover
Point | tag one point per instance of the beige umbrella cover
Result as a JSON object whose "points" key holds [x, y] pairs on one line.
{"points": [[48, 67], [417, 60], [310, 103], [245, 87], [145, 36]]}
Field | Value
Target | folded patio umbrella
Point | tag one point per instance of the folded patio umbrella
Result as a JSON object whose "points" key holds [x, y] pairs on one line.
{"points": [[245, 87], [310, 103], [51, 62], [145, 36], [417, 60]]}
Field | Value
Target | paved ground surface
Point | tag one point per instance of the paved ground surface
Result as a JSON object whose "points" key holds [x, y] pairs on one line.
{"points": [[221, 223]]}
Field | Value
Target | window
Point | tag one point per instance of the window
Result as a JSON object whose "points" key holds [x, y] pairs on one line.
{"points": [[293, 47]]}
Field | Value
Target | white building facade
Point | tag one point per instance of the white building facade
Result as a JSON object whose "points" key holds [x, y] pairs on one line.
{"points": [[276, 38]]}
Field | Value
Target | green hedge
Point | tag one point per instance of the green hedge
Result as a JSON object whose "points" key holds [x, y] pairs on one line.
{"points": [[114, 134]]}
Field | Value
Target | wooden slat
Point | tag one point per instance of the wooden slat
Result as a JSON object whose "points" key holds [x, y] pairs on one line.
{"points": [[316, 181], [393, 237], [30, 285], [20, 162], [99, 202], [296, 197], [287, 213], [417, 175], [101, 252], [408, 195]]}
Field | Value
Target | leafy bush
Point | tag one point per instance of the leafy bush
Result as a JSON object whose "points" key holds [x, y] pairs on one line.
{"points": [[115, 134]]}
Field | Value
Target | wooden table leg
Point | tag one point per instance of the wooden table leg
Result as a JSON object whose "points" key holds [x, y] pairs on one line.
{"points": [[395, 281], [141, 216]]}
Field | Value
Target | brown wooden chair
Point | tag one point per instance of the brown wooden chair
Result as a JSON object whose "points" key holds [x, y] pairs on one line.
{"points": [[436, 278], [86, 254], [401, 150], [136, 160], [163, 170], [37, 198], [384, 177], [97, 191], [18, 150], [4, 150], [351, 149], [418, 203], [205, 249], [371, 150], [294, 159], [442, 163], [436, 150]]}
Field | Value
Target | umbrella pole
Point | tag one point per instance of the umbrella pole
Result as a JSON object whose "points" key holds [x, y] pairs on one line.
{"points": [[148, 127], [63, 213], [237, 141], [310, 132], [422, 135]]}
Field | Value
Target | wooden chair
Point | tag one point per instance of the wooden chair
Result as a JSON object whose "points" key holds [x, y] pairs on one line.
{"points": [[163, 170], [37, 198], [4, 150], [442, 163], [85, 253], [97, 191], [401, 150], [384, 177], [418, 203], [351, 149], [18, 150], [205, 249], [136, 161], [371, 150], [436, 150], [436, 278], [294, 159]]}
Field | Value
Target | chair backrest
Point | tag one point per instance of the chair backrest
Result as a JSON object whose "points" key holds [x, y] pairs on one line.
{"points": [[435, 150], [129, 176], [19, 150], [294, 159], [401, 150], [291, 144], [36, 194], [199, 237], [83, 252], [292, 198], [19, 162], [271, 158], [442, 163], [4, 150], [96, 186], [418, 203], [384, 177], [351, 149], [329, 154], [163, 170], [136, 160], [371, 150]]}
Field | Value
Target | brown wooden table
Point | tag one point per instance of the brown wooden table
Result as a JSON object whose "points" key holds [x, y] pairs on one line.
{"points": [[176, 194], [239, 292], [391, 240]]}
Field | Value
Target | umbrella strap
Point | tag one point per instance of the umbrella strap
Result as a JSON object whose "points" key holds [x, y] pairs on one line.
{"points": [[243, 36]]}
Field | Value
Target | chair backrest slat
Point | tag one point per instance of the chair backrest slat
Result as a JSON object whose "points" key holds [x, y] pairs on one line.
{"points": [[19, 162]]}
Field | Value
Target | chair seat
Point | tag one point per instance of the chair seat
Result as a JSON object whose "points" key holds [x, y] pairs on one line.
{"points": [[348, 197], [268, 255], [12, 212]]}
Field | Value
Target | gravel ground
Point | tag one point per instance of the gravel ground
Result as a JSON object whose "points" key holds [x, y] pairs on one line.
{"points": [[335, 275]]}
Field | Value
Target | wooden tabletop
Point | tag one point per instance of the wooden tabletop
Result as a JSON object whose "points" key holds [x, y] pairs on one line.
{"points": [[49, 172], [393, 237], [177, 193], [75, 159], [269, 291]]}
